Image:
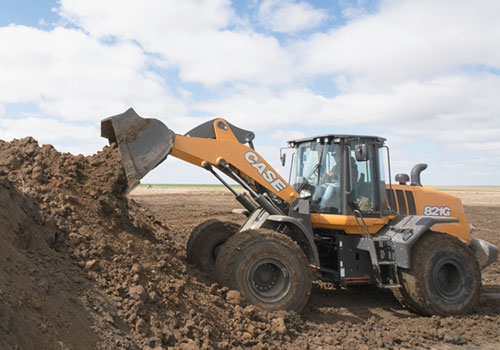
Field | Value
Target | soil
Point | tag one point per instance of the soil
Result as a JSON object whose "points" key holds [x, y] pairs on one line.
{"points": [[360, 317], [83, 266]]}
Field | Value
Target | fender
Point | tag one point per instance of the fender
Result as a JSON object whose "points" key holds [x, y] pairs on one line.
{"points": [[260, 218], [312, 255], [403, 232]]}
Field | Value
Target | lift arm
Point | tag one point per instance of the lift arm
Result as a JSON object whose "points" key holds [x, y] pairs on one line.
{"points": [[145, 143]]}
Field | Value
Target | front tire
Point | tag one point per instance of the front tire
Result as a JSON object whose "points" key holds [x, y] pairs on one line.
{"points": [[444, 278], [205, 241], [268, 268]]}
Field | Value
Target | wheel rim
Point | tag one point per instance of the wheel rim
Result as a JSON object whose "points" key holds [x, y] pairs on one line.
{"points": [[269, 280], [448, 278]]}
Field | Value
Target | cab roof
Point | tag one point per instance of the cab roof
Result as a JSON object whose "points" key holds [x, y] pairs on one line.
{"points": [[339, 138]]}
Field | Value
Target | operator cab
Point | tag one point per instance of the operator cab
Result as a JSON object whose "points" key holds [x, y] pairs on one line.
{"points": [[342, 173]]}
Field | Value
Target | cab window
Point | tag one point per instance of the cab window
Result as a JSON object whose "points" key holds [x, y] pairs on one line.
{"points": [[305, 167], [364, 182]]}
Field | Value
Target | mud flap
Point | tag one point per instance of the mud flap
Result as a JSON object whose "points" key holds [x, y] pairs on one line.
{"points": [[144, 143], [484, 252]]}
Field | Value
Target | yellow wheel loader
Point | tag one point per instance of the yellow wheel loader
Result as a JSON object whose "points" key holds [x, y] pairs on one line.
{"points": [[336, 220]]}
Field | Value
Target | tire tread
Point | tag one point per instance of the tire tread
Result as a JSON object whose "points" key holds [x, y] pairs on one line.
{"points": [[413, 293]]}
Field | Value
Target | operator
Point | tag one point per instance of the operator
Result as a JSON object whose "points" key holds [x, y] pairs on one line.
{"points": [[334, 174], [328, 194]]}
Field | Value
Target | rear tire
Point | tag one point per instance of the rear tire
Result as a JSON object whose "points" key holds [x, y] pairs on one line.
{"points": [[205, 241], [444, 278], [268, 268]]}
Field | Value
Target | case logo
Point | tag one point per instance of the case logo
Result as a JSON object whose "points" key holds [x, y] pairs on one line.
{"points": [[268, 174]]}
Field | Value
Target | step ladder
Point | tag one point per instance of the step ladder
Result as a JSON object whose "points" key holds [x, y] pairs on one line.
{"points": [[381, 254]]}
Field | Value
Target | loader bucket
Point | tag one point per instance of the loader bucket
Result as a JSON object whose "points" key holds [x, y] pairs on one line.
{"points": [[144, 143]]}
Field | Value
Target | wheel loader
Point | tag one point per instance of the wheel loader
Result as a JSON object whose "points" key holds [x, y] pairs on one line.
{"points": [[337, 219]]}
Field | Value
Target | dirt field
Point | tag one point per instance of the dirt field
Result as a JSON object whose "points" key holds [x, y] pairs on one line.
{"points": [[84, 267], [359, 318]]}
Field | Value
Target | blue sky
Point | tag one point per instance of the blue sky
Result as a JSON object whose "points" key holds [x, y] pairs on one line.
{"points": [[424, 74], [27, 12]]}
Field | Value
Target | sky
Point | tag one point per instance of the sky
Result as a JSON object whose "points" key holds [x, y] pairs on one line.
{"points": [[424, 74]]}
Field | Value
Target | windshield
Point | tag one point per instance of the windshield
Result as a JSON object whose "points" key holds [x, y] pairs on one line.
{"points": [[317, 168], [306, 163]]}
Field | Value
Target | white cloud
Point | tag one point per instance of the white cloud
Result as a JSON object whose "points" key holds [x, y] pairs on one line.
{"points": [[191, 35], [286, 135], [46, 130], [287, 16], [264, 109], [449, 98], [416, 69], [70, 75], [353, 12], [231, 56], [163, 17], [407, 40]]}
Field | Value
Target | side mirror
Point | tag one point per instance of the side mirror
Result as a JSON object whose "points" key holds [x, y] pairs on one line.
{"points": [[361, 153], [282, 157]]}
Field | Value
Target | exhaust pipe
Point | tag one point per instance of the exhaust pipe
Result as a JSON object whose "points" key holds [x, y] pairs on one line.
{"points": [[144, 143], [415, 174]]}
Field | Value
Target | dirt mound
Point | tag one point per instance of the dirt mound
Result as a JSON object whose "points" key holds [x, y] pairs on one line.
{"points": [[41, 293], [66, 217]]}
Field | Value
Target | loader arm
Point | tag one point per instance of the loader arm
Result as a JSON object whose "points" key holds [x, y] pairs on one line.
{"points": [[145, 143], [231, 156]]}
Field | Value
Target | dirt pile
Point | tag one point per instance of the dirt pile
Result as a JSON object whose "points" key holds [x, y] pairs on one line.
{"points": [[66, 217], [35, 284]]}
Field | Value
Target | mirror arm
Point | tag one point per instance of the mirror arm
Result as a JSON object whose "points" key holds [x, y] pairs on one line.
{"points": [[283, 155]]}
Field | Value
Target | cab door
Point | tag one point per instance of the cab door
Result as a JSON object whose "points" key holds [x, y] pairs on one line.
{"points": [[360, 189], [363, 174]]}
